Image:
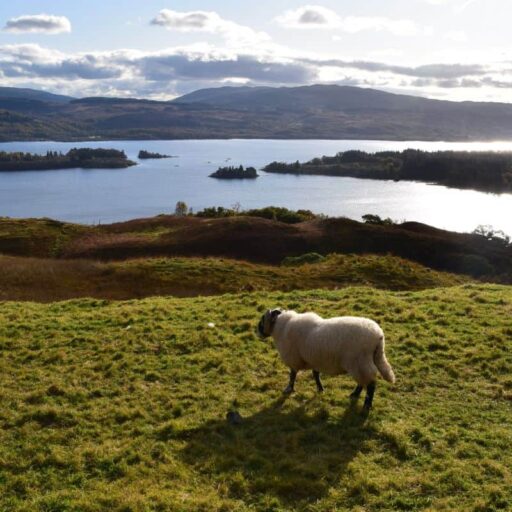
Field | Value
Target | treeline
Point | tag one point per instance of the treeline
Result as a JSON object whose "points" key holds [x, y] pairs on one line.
{"points": [[487, 171], [230, 173], [490, 171], [76, 157], [276, 213], [143, 155]]}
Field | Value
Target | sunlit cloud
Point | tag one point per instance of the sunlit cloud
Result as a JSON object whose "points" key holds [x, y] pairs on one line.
{"points": [[318, 17], [169, 72], [456, 5], [210, 22]]}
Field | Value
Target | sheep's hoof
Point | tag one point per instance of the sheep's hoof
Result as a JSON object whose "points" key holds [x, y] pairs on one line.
{"points": [[320, 389], [288, 390], [365, 411]]}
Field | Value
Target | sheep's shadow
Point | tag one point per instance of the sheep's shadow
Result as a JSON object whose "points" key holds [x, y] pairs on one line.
{"points": [[294, 455]]}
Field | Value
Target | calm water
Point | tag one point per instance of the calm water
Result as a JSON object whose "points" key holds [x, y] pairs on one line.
{"points": [[154, 186]]}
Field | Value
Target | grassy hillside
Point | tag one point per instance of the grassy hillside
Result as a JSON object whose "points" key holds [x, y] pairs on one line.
{"points": [[256, 239], [121, 406], [46, 280]]}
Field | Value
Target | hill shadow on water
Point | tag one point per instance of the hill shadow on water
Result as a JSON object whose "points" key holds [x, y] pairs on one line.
{"points": [[295, 456]]}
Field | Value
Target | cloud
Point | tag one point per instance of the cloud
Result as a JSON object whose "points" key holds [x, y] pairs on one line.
{"points": [[464, 83], [209, 22], [457, 36], [316, 16], [457, 5], [423, 71], [43, 23], [163, 69], [183, 66], [166, 73], [309, 16], [398, 27], [33, 61], [198, 20]]}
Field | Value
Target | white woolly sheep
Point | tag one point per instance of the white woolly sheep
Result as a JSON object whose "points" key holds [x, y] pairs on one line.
{"points": [[345, 344]]}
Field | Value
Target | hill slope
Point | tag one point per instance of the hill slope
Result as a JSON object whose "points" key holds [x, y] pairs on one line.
{"points": [[121, 406], [318, 111], [45, 280], [255, 239], [314, 97], [32, 94]]}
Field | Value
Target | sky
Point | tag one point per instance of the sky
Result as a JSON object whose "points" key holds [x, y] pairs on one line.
{"points": [[445, 49]]}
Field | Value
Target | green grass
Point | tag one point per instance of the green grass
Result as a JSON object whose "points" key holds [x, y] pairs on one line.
{"points": [[37, 237], [121, 406], [45, 280]]}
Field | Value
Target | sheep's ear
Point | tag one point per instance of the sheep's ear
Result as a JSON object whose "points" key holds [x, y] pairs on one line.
{"points": [[276, 313]]}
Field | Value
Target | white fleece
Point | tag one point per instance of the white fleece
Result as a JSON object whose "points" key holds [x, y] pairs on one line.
{"points": [[347, 344]]}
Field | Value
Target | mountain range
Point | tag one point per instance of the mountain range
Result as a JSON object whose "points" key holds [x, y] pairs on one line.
{"points": [[306, 112]]}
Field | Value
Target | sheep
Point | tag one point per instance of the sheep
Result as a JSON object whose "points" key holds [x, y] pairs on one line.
{"points": [[346, 344]]}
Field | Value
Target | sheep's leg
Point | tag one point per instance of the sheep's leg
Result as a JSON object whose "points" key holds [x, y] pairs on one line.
{"points": [[291, 383], [356, 393], [370, 390], [316, 376]]}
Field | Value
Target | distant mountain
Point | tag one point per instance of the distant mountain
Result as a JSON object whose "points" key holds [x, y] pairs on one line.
{"points": [[308, 112], [239, 97], [32, 94], [327, 98], [314, 97]]}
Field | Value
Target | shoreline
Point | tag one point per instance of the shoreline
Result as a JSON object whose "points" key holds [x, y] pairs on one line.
{"points": [[177, 139]]}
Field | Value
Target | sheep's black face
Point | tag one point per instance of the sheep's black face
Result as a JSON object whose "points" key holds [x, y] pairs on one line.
{"points": [[261, 323], [267, 321]]}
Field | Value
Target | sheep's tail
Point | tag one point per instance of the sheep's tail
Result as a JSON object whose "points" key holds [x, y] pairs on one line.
{"points": [[379, 358]]}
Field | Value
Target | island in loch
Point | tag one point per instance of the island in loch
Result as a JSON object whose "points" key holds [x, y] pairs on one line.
{"points": [[146, 155], [235, 173], [85, 158], [486, 171]]}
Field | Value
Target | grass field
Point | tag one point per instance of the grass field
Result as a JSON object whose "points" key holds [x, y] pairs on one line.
{"points": [[121, 406], [46, 280]]}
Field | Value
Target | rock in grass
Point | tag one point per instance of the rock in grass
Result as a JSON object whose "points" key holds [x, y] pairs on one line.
{"points": [[234, 418]]}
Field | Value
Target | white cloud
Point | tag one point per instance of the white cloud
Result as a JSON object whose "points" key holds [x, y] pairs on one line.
{"points": [[146, 73], [456, 5], [309, 16], [354, 24], [166, 73], [385, 53], [43, 23], [33, 61], [210, 22], [457, 36], [316, 16]]}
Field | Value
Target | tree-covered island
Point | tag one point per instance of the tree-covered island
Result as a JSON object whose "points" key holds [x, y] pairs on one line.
{"points": [[85, 158], [235, 173], [145, 155], [487, 170]]}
